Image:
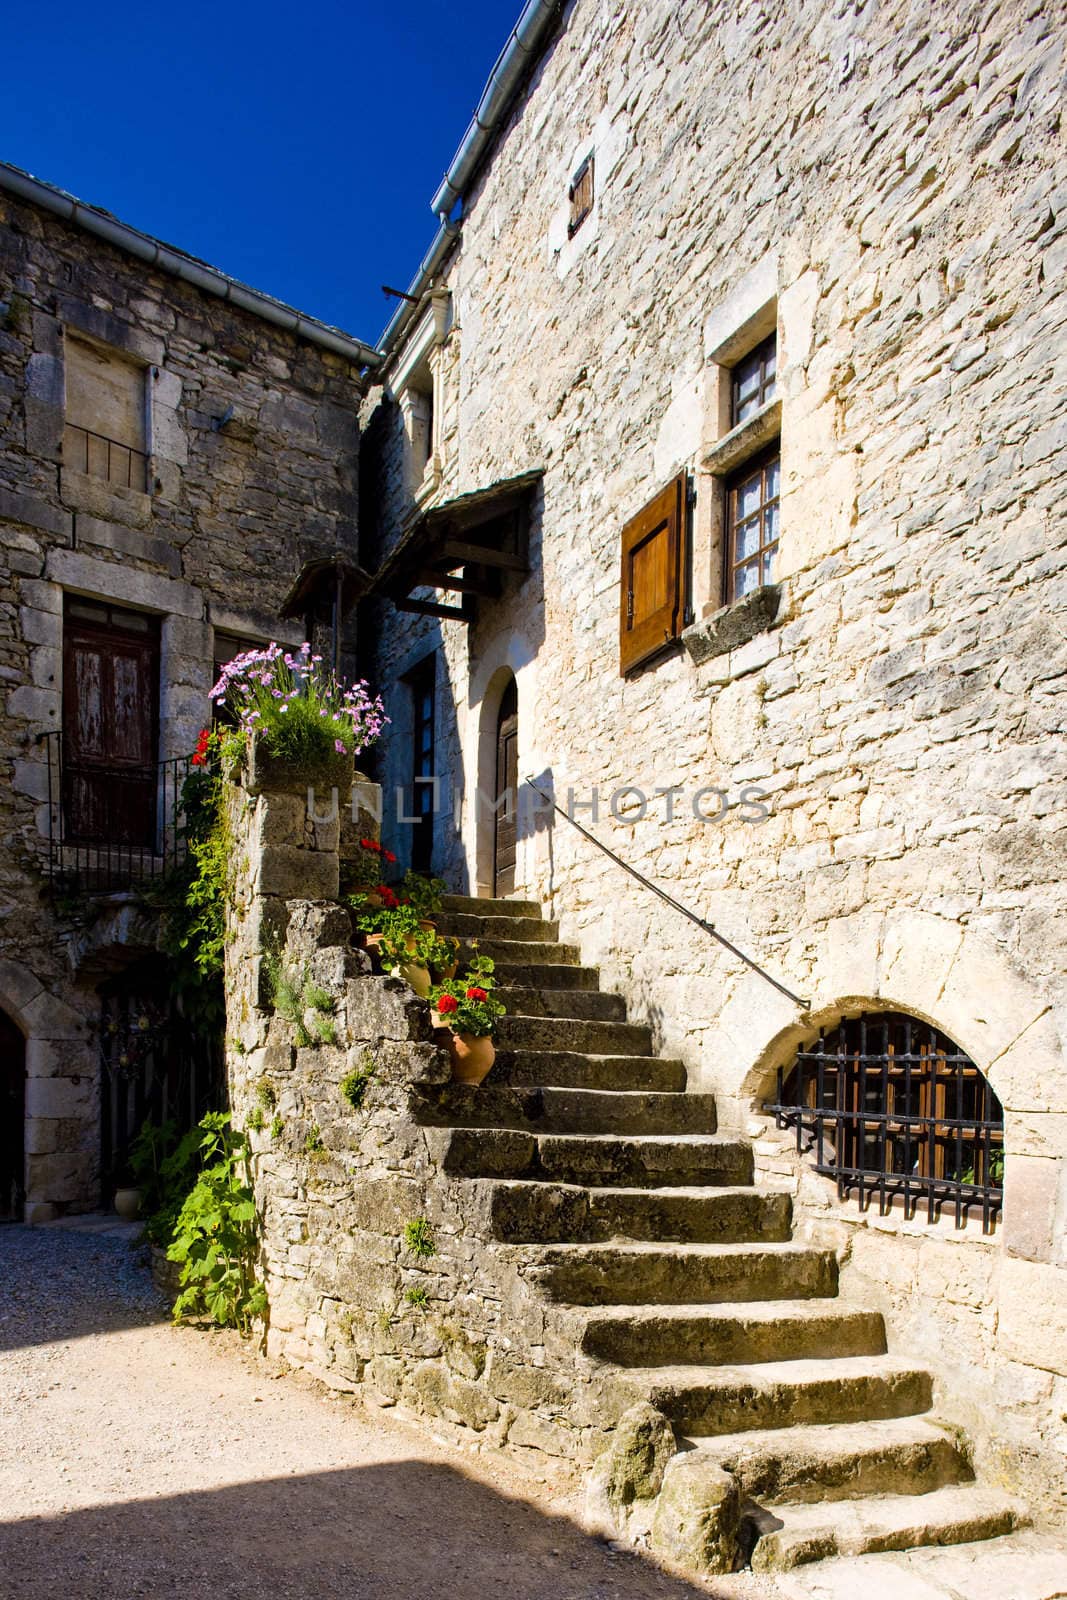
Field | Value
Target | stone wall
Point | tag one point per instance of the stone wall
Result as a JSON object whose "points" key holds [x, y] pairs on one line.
{"points": [[459, 1333], [885, 180], [253, 448]]}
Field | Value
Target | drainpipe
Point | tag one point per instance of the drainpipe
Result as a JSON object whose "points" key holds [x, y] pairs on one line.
{"points": [[512, 64]]}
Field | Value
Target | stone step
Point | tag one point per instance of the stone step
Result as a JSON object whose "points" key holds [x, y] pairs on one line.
{"points": [[575, 1035], [773, 1330], [544, 975], [791, 1535], [737, 1399], [683, 1274], [522, 955], [546, 1213], [475, 905], [461, 925], [621, 1161], [558, 1110], [840, 1460], [568, 1069], [589, 1005]]}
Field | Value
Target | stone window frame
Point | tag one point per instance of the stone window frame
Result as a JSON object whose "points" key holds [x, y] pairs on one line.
{"points": [[746, 320], [416, 384], [165, 438]]}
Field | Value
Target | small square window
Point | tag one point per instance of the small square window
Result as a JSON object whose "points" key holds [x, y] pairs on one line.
{"points": [[580, 195], [754, 381]]}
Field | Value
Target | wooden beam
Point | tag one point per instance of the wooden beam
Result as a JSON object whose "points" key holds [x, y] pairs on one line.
{"points": [[464, 585], [430, 608], [484, 556]]}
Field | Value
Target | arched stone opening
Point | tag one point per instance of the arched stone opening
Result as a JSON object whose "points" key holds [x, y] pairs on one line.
{"points": [[891, 1111]]}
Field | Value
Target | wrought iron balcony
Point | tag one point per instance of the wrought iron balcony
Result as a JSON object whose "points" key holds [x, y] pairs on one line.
{"points": [[112, 824]]}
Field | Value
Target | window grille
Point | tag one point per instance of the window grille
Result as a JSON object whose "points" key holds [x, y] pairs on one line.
{"points": [[892, 1110]]}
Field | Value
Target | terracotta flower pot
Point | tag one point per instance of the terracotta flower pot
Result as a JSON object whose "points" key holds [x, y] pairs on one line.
{"points": [[472, 1056], [417, 976]]}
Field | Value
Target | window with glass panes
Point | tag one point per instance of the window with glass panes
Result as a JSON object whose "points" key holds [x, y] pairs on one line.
{"points": [[752, 524], [754, 381]]}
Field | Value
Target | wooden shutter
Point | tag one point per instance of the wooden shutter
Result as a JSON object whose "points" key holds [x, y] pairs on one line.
{"points": [[652, 593]]}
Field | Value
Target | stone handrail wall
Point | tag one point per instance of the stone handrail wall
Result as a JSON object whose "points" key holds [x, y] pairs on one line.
{"points": [[461, 1334]]}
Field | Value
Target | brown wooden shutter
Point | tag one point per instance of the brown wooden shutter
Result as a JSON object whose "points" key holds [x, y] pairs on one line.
{"points": [[652, 594], [110, 692]]}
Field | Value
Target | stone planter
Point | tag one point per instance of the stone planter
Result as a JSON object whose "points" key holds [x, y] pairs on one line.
{"points": [[128, 1204], [265, 771]]}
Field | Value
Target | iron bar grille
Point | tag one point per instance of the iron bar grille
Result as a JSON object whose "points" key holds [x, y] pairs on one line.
{"points": [[155, 1066], [101, 457], [111, 825], [892, 1110]]}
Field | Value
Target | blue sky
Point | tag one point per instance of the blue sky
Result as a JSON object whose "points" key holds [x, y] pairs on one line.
{"points": [[295, 148]]}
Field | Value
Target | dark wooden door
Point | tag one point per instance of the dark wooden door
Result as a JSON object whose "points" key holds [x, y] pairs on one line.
{"points": [[12, 1120], [422, 682], [507, 783], [110, 696]]}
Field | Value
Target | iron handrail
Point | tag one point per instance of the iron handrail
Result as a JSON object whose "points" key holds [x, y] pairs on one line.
{"points": [[701, 922]]}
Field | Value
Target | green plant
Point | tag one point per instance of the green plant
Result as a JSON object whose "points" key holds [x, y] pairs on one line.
{"points": [[254, 1119], [266, 1094], [418, 1237], [276, 1127], [215, 1237], [468, 1004], [164, 1167], [293, 993], [313, 1145], [424, 895], [354, 1084], [417, 1296]]}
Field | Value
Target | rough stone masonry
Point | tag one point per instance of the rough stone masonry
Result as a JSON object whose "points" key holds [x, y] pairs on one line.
{"points": [[884, 187]]}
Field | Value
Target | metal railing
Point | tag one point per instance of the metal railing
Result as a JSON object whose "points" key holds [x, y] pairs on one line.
{"points": [[101, 457], [669, 899], [892, 1111], [113, 824]]}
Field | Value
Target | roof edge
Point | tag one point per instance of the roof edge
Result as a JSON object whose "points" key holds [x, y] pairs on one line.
{"points": [[178, 264]]}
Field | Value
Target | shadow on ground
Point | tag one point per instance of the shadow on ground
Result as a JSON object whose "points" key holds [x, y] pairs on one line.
{"points": [[407, 1530], [56, 1285]]}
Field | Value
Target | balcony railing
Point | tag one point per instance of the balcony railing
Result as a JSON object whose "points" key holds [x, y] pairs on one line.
{"points": [[112, 824], [100, 457]]}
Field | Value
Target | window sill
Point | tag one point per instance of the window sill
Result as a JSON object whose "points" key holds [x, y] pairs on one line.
{"points": [[107, 501], [745, 440], [733, 625]]}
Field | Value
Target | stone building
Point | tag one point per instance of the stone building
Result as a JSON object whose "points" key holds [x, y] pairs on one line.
{"points": [[174, 447], [716, 488]]}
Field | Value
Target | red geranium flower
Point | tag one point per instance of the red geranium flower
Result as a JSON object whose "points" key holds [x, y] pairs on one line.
{"points": [[203, 744], [389, 856], [447, 1003], [477, 994], [371, 844], [388, 897]]}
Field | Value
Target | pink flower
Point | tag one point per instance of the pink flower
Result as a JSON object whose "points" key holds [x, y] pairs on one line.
{"points": [[339, 747]]}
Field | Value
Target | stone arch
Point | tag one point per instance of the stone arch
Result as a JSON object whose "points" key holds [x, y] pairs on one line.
{"points": [[61, 1092]]}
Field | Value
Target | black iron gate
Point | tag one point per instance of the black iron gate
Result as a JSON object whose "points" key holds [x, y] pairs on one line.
{"points": [[158, 1063]]}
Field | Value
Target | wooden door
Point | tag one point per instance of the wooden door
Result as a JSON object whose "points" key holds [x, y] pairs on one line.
{"points": [[110, 696], [12, 1120], [507, 784]]}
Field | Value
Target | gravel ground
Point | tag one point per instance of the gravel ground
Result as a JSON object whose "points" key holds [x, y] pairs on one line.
{"points": [[139, 1459]]}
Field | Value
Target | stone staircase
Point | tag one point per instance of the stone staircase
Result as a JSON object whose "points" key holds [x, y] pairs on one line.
{"points": [[683, 1276]]}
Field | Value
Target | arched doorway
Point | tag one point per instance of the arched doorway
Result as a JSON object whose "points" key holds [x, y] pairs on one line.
{"points": [[12, 1120], [505, 834]]}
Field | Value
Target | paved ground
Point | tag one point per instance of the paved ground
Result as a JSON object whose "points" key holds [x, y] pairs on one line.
{"points": [[137, 1459]]}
